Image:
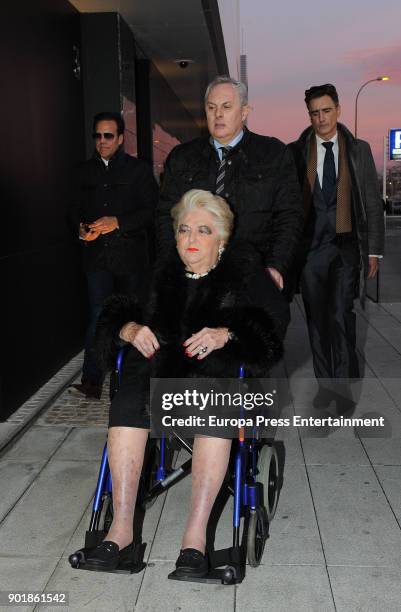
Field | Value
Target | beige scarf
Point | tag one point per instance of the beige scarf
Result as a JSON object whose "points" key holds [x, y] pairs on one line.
{"points": [[343, 208]]}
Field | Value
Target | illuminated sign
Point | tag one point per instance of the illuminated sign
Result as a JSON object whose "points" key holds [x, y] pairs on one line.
{"points": [[394, 144]]}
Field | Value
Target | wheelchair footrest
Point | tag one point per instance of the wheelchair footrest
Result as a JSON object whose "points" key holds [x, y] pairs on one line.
{"points": [[130, 565], [234, 561], [93, 538]]}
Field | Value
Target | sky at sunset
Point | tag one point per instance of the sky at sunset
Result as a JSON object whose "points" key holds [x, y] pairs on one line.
{"points": [[293, 45]]}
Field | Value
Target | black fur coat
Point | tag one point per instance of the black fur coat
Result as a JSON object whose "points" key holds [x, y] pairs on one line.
{"points": [[229, 296]]}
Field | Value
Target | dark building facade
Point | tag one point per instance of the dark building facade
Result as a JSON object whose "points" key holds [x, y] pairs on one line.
{"points": [[57, 72], [41, 130]]}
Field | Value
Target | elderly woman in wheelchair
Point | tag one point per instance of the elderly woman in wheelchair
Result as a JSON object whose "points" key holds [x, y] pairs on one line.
{"points": [[212, 307]]}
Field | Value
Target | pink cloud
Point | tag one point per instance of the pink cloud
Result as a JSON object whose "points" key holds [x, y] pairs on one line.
{"points": [[376, 62]]}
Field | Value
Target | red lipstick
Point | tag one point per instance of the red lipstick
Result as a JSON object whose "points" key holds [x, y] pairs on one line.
{"points": [[192, 249]]}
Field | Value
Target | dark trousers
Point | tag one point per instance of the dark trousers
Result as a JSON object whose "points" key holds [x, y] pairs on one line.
{"points": [[101, 285], [329, 285]]}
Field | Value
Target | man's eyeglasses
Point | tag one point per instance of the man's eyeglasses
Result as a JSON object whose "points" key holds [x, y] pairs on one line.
{"points": [[105, 135]]}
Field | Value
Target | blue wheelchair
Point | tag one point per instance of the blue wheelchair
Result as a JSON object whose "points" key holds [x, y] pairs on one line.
{"points": [[253, 479]]}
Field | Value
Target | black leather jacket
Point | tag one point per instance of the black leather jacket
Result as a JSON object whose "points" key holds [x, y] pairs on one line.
{"points": [[261, 187]]}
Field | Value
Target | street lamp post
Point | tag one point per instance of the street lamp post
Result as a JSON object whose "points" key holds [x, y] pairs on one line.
{"points": [[379, 78]]}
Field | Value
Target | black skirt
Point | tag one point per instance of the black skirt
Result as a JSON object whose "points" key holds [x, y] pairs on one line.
{"points": [[130, 404]]}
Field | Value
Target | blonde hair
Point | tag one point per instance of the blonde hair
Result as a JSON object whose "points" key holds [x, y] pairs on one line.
{"points": [[205, 200]]}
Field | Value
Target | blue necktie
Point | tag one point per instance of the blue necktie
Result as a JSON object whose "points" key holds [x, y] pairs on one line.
{"points": [[329, 172]]}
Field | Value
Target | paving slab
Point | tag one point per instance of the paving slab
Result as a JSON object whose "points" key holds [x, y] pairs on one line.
{"points": [[366, 589], [72, 410], [283, 588], [390, 480], [334, 451], [158, 593], [44, 518], [394, 309], [7, 431], [371, 393], [393, 335], [384, 360], [288, 438], [95, 591], [25, 575], [169, 533], [364, 367], [294, 536], [377, 327], [83, 444], [393, 387], [355, 520], [387, 427], [372, 399], [383, 452], [38, 443], [304, 389], [15, 478]]}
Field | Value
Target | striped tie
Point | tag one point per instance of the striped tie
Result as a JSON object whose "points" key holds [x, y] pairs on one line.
{"points": [[222, 170]]}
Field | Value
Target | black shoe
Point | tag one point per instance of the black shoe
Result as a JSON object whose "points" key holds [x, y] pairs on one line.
{"points": [[345, 405], [322, 399], [191, 562], [107, 555], [86, 389]]}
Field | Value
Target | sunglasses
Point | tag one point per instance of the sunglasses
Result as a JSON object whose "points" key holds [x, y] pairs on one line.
{"points": [[106, 135]]}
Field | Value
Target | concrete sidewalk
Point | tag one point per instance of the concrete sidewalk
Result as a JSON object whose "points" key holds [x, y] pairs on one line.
{"points": [[335, 543]]}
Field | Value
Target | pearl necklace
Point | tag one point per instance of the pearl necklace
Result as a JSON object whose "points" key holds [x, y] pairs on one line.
{"points": [[196, 275]]}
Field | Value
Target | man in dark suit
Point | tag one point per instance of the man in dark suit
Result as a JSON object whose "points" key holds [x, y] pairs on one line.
{"points": [[255, 174], [344, 231], [114, 217]]}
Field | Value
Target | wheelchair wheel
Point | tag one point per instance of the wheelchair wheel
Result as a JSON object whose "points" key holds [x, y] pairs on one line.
{"points": [[257, 534], [268, 476]]}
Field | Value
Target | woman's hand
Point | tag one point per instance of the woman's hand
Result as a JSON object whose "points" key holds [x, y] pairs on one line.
{"points": [[140, 336], [205, 341]]}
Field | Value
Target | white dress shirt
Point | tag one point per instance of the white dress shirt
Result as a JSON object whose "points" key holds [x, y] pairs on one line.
{"points": [[218, 146], [321, 151]]}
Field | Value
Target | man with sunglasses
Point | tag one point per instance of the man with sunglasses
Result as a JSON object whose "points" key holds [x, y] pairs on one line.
{"points": [[113, 216], [344, 233]]}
